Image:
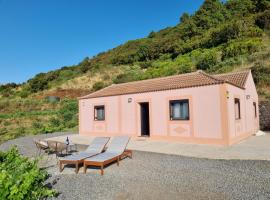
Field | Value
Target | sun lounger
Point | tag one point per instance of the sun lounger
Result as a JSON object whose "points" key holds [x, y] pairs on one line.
{"points": [[96, 147], [116, 150]]}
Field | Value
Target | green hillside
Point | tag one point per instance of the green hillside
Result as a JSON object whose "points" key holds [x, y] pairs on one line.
{"points": [[220, 37]]}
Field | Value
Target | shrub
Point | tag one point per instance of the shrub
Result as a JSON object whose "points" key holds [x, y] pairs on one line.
{"points": [[8, 86], [98, 85], [36, 124], [235, 48], [184, 63], [3, 131], [151, 34], [20, 178], [263, 20], [132, 73], [145, 65], [54, 122], [85, 65], [260, 74], [226, 32], [68, 113], [24, 93], [206, 58]]}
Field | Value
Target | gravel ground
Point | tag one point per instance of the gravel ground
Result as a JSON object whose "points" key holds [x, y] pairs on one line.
{"points": [[159, 176]]}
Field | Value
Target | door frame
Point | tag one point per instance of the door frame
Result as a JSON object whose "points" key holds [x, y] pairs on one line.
{"points": [[144, 119], [138, 116]]}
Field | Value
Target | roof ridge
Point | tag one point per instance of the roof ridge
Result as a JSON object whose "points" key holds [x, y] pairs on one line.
{"points": [[229, 73], [193, 79], [157, 78], [227, 80], [210, 76]]}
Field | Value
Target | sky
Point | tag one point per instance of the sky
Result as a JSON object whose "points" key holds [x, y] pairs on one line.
{"points": [[42, 35]]}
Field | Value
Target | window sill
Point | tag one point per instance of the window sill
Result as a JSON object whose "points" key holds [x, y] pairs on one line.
{"points": [[179, 119]]}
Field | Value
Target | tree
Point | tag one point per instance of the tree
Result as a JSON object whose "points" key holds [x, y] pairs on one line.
{"points": [[211, 13], [184, 18], [151, 34], [262, 5], [38, 83], [240, 7], [263, 20]]}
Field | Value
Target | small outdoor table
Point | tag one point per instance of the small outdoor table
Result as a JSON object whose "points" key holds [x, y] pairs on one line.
{"points": [[71, 147]]}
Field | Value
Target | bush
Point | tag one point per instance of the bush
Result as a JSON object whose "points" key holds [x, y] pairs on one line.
{"points": [[98, 85], [260, 74], [184, 63], [37, 125], [235, 48], [225, 33], [68, 113], [20, 178], [54, 122], [24, 93], [145, 65], [132, 73], [38, 83], [206, 58], [263, 20], [3, 131]]}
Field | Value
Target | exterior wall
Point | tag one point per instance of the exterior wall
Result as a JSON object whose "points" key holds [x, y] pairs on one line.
{"points": [[123, 117], [212, 114], [248, 124]]}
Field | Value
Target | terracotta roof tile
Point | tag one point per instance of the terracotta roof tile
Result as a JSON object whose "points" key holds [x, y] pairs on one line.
{"points": [[195, 79], [236, 78]]}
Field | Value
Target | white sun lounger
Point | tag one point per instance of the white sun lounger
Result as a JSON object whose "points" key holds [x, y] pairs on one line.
{"points": [[96, 147], [115, 151]]}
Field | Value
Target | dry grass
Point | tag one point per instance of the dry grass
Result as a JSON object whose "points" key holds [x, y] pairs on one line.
{"points": [[86, 82]]}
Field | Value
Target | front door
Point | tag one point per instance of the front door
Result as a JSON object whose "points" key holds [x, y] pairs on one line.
{"points": [[145, 127]]}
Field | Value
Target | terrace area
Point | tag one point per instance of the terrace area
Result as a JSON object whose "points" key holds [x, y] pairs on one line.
{"points": [[163, 170]]}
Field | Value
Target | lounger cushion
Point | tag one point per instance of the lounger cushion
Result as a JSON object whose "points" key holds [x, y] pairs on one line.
{"points": [[116, 148], [96, 147], [80, 156], [103, 157], [97, 144], [118, 144]]}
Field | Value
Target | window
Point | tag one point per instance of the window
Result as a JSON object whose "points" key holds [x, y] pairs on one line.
{"points": [[179, 109], [99, 113], [255, 109], [237, 108]]}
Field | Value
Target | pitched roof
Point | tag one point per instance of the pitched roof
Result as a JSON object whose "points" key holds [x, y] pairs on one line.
{"points": [[235, 78], [194, 79]]}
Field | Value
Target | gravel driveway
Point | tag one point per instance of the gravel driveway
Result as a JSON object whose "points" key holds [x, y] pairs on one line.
{"points": [[160, 176]]}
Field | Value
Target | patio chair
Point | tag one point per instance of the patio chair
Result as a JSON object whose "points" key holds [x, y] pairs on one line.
{"points": [[96, 147], [116, 150], [57, 147], [41, 146]]}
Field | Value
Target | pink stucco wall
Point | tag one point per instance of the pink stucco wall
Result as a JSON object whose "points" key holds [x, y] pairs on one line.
{"points": [[124, 118], [248, 124], [212, 114]]}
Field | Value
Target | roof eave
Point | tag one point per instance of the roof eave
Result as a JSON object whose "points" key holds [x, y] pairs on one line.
{"points": [[85, 97]]}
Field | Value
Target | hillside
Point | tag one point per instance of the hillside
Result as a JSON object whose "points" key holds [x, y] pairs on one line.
{"points": [[219, 37]]}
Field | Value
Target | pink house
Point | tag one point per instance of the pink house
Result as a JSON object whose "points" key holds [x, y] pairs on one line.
{"points": [[195, 107]]}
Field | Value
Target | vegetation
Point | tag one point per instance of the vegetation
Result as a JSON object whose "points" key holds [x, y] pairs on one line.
{"points": [[20, 178], [29, 116], [222, 36]]}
